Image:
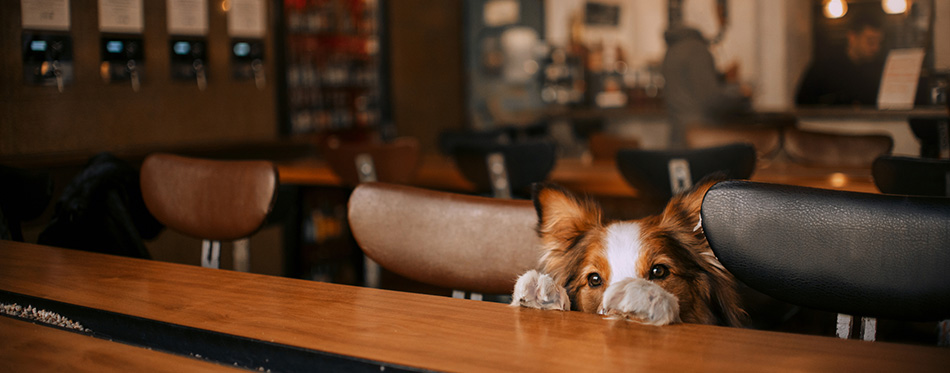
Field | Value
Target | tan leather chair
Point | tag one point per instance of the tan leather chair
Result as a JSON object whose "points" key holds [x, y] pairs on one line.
{"points": [[467, 243], [767, 141], [835, 150], [355, 162], [212, 200]]}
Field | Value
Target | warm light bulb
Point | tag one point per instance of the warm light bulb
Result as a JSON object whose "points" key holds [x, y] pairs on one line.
{"points": [[835, 8], [894, 6]]}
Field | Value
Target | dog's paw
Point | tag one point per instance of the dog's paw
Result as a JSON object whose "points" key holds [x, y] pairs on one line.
{"points": [[642, 301], [536, 290]]}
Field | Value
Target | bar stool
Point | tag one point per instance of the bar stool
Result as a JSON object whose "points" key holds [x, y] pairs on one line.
{"points": [[360, 162], [877, 256], [835, 150], [213, 200], [505, 170], [659, 174], [461, 242]]}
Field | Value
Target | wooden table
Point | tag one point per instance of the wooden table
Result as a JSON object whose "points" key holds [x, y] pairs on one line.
{"points": [[401, 330]]}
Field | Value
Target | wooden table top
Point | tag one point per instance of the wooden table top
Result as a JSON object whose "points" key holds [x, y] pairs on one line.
{"points": [[597, 178], [27, 347], [415, 330]]}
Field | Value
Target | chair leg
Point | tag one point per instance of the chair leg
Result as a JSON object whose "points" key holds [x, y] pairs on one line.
{"points": [[242, 255], [371, 273], [868, 329], [843, 329], [210, 254], [943, 333]]}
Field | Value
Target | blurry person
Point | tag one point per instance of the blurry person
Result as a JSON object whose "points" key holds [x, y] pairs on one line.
{"points": [[850, 76], [696, 94]]}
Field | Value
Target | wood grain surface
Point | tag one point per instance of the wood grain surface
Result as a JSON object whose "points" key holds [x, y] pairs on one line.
{"points": [[424, 331]]}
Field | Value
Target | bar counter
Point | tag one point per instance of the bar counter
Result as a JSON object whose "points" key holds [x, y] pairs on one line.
{"points": [[404, 331]]}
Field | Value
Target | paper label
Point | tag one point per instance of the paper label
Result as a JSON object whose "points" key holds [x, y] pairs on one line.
{"points": [[45, 14], [899, 82], [247, 18], [187, 17], [121, 16]]}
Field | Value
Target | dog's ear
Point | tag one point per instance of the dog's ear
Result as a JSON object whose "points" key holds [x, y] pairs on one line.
{"points": [[687, 205], [562, 216]]}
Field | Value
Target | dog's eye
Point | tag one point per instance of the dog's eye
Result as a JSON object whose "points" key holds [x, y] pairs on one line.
{"points": [[594, 280], [659, 271]]}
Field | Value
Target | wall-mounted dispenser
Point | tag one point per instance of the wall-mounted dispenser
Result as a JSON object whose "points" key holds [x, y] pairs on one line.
{"points": [[47, 59], [123, 60], [189, 60], [247, 61]]}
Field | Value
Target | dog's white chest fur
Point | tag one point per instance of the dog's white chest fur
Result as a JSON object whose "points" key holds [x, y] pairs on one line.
{"points": [[624, 248]]}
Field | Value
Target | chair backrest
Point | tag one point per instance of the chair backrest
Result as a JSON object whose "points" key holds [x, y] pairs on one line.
{"points": [[654, 172], [604, 146], [856, 253], [393, 162], [24, 196], [830, 149], [766, 140], [524, 163], [209, 199], [454, 241], [912, 176]]}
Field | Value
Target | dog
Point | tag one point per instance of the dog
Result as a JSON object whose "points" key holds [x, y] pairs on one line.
{"points": [[657, 270]]}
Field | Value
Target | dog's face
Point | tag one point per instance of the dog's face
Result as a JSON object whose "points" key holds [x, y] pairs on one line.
{"points": [[656, 270]]}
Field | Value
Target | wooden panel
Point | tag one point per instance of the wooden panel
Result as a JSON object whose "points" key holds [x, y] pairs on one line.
{"points": [[426, 68], [91, 115], [425, 331]]}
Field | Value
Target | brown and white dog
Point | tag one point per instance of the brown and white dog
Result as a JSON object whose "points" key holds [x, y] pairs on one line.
{"points": [[657, 270]]}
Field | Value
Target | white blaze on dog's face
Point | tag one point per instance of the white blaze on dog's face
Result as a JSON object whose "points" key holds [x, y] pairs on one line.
{"points": [[655, 270]]}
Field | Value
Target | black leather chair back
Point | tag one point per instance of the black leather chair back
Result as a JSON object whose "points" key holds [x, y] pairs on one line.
{"points": [[854, 253], [912, 176], [525, 163], [648, 171]]}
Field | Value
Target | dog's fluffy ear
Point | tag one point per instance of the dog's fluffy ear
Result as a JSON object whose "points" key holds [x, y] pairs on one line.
{"points": [[562, 216], [687, 205]]}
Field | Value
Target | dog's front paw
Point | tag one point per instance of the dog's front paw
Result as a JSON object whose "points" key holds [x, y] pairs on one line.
{"points": [[642, 301], [536, 290]]}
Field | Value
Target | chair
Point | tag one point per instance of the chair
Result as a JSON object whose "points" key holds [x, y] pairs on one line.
{"points": [[466, 243], [504, 170], [912, 176], [766, 140], [604, 147], [24, 195], [877, 256], [662, 173], [356, 162], [213, 200], [835, 150], [932, 134]]}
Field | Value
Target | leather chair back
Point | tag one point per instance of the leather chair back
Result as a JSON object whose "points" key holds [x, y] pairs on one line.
{"points": [[766, 140], [912, 176], [525, 163], [209, 199], [855, 253], [393, 162], [455, 241], [648, 171], [835, 150]]}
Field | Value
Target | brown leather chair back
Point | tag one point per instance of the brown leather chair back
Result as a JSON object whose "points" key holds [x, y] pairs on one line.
{"points": [[767, 141], [604, 147], [209, 199], [454, 241], [394, 162], [828, 149]]}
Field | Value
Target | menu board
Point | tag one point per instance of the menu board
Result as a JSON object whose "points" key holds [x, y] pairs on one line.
{"points": [[121, 16], [45, 14], [187, 17], [899, 82]]}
